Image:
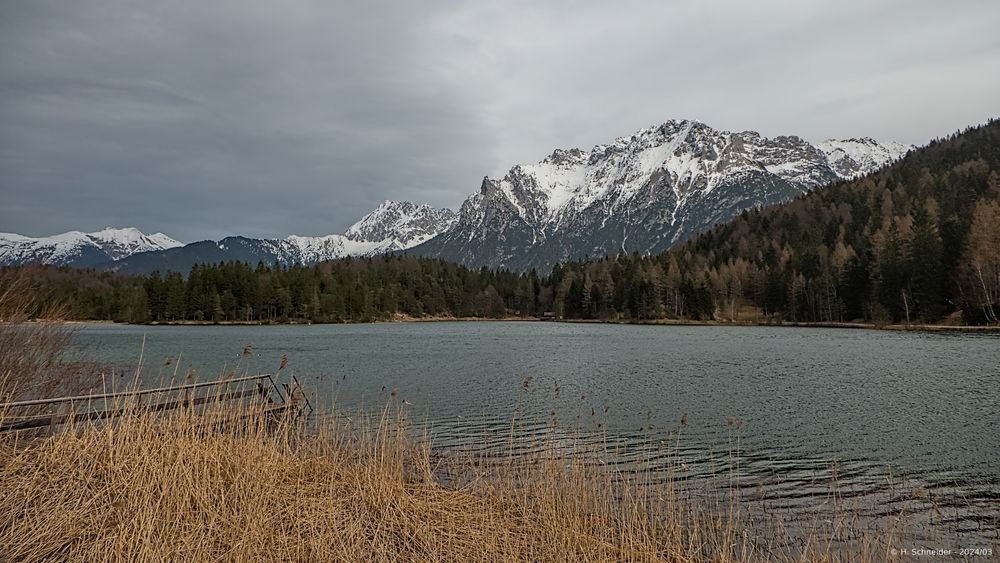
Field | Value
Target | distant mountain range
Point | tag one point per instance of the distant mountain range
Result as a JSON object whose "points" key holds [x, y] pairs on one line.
{"points": [[81, 249], [391, 227], [642, 193]]}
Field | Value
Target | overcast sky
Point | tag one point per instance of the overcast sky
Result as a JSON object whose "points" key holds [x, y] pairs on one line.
{"points": [[203, 118]]}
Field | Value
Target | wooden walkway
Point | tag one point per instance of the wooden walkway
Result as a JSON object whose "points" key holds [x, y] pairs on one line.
{"points": [[241, 394]]}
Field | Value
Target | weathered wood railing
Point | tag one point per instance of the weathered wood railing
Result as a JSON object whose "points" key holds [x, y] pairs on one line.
{"points": [[249, 390]]}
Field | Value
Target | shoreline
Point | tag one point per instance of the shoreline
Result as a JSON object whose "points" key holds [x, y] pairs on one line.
{"points": [[656, 322], [790, 324]]}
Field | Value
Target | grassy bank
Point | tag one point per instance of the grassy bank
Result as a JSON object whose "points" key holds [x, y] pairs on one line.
{"points": [[155, 488]]}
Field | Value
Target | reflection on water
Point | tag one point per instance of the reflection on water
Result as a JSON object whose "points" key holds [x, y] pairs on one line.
{"points": [[885, 422]]}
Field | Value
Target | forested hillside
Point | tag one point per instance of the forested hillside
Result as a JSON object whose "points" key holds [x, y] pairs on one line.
{"points": [[917, 242], [914, 242]]}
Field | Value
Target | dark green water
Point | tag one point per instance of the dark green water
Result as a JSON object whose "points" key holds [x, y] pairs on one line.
{"points": [[919, 407]]}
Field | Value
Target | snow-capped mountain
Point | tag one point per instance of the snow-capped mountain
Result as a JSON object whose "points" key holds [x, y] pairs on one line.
{"points": [[642, 193], [80, 249], [851, 158], [401, 224], [392, 226]]}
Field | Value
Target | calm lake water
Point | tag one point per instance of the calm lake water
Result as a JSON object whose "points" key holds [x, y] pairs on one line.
{"points": [[863, 408]]}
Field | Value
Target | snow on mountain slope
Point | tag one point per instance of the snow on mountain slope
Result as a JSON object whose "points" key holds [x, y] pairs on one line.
{"points": [[309, 250], [856, 157], [392, 226], [396, 225], [641, 193], [77, 248]]}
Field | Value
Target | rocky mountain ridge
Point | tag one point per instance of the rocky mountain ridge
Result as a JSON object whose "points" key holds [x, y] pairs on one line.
{"points": [[642, 193]]}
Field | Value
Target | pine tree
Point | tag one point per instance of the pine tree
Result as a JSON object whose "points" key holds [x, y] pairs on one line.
{"points": [[925, 271], [175, 308]]}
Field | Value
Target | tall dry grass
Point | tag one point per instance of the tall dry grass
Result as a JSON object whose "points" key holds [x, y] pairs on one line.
{"points": [[173, 488]]}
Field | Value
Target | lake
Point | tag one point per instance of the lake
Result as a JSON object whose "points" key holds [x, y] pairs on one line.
{"points": [[809, 406]]}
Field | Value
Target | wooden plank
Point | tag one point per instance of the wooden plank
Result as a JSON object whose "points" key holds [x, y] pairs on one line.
{"points": [[136, 393], [54, 420]]}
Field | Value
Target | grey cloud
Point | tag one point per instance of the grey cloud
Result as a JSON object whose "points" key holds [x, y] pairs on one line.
{"points": [[204, 119]]}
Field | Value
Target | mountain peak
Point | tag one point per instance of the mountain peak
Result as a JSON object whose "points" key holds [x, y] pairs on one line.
{"points": [[133, 236], [400, 224], [566, 156], [855, 157]]}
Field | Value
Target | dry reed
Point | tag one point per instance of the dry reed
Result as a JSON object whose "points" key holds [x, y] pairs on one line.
{"points": [[171, 487], [32, 341]]}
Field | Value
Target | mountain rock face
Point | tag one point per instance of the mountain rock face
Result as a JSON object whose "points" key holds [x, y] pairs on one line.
{"points": [[392, 226], [642, 193], [852, 158], [398, 225], [80, 249]]}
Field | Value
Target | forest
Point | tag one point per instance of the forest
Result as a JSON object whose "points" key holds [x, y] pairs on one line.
{"points": [[917, 242]]}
